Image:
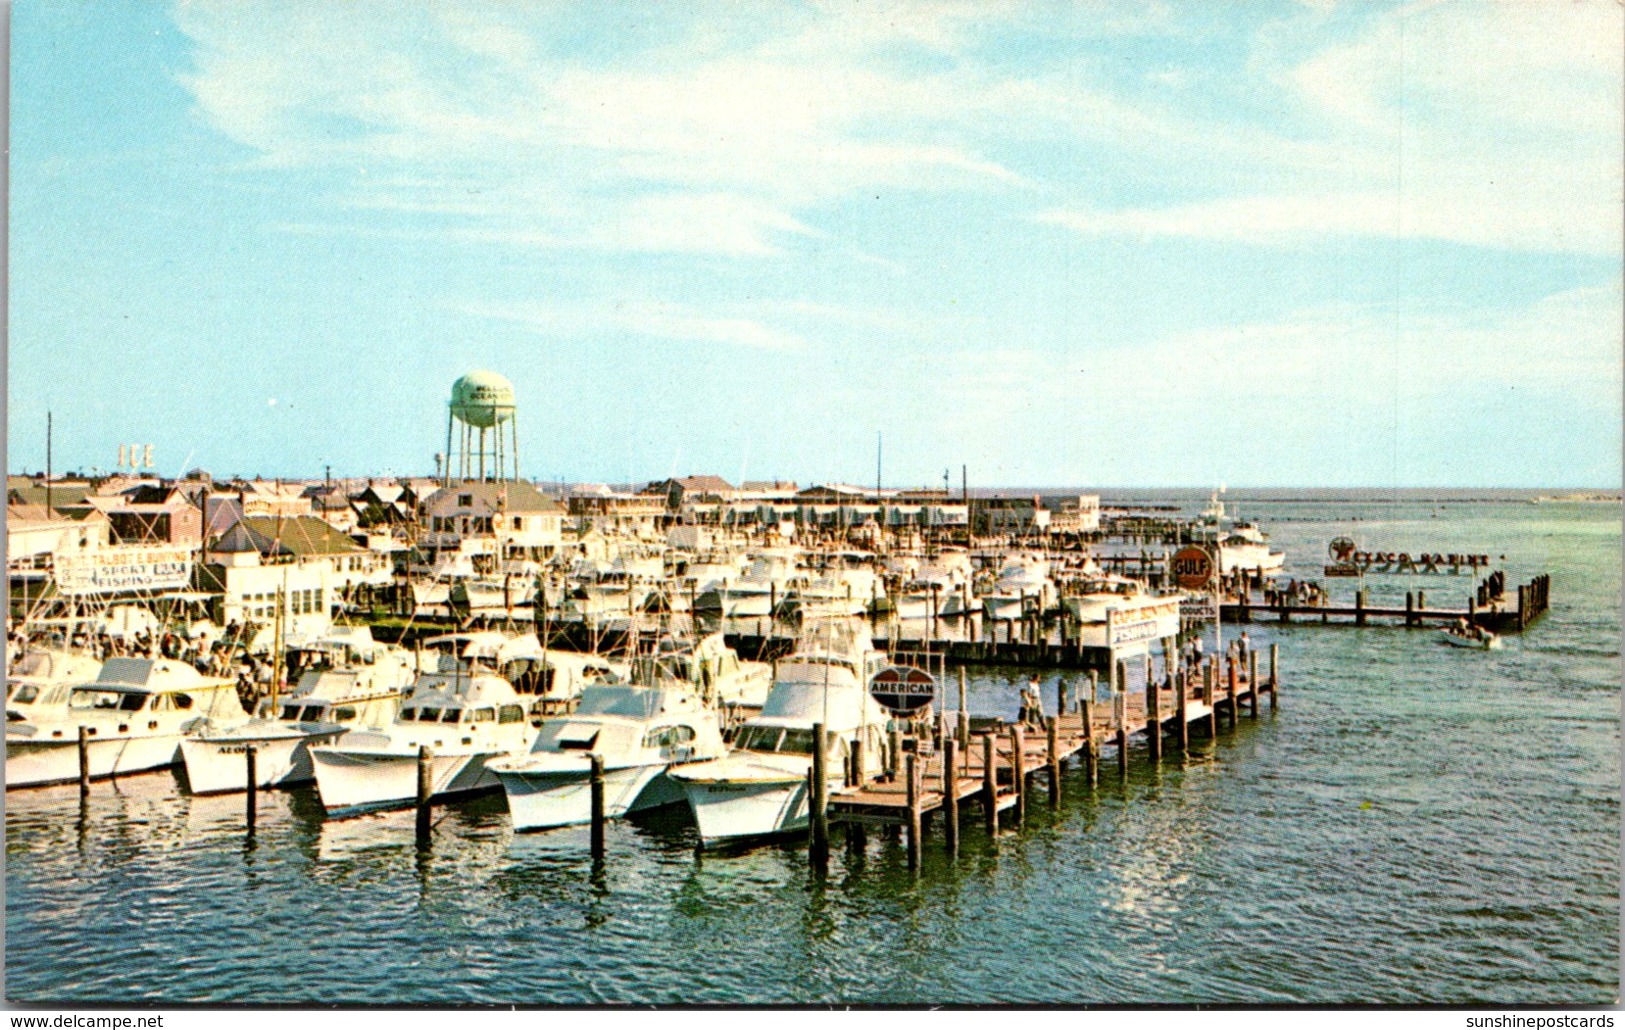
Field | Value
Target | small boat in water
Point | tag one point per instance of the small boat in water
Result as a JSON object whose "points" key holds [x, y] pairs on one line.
{"points": [[1475, 637]]}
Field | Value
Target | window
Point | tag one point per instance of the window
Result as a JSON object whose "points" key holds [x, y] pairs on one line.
{"points": [[290, 713], [26, 694], [485, 714], [428, 714], [313, 713], [344, 714], [511, 713], [518, 523], [465, 500], [449, 715], [408, 714], [181, 701], [681, 734]]}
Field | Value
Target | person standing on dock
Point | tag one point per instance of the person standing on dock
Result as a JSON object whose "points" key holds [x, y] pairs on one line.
{"points": [[1032, 710], [1245, 644]]}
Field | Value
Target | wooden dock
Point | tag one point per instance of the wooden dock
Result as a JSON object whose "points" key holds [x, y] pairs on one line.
{"points": [[933, 776], [1498, 614]]}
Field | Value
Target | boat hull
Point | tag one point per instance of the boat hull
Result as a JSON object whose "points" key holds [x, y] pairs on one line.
{"points": [[545, 800], [355, 780], [737, 812], [219, 765], [38, 763]]}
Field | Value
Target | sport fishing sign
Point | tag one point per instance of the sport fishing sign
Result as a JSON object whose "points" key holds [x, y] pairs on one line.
{"points": [[116, 569]]}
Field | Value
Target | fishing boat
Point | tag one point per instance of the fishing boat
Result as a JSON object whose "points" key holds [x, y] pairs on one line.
{"points": [[467, 717], [136, 712], [759, 790], [1475, 637], [639, 731], [39, 680], [941, 588], [770, 576], [346, 682], [1242, 546], [1023, 583]]}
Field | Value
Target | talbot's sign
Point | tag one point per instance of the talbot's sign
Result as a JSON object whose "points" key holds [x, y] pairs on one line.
{"points": [[115, 570]]}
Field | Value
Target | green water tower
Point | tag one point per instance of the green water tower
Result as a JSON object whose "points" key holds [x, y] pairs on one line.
{"points": [[487, 447]]}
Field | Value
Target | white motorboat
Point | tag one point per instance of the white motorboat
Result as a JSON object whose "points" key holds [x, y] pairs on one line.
{"points": [[1475, 637], [1114, 612], [639, 731], [1023, 585], [940, 588], [771, 575], [136, 712], [759, 789], [1242, 545], [467, 717], [39, 680], [347, 681]]}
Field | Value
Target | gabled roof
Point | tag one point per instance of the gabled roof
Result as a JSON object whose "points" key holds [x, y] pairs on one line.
{"points": [[61, 493], [298, 535], [512, 495]]}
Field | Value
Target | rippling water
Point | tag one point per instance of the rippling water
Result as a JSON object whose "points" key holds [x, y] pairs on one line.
{"points": [[1416, 824]]}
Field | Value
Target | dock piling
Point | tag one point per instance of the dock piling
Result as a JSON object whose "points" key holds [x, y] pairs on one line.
{"points": [[1091, 753], [1181, 709], [1018, 765], [1120, 718], [912, 775], [1275, 676], [597, 801], [1252, 682], [950, 793], [964, 714], [84, 761], [990, 784], [1153, 714], [425, 784], [1210, 697], [1053, 744], [251, 799], [819, 798]]}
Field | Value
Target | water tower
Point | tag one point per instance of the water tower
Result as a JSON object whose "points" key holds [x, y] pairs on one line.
{"points": [[482, 439]]}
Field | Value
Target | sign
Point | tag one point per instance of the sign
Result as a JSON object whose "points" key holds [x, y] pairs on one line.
{"points": [[1379, 563], [1198, 608], [1132, 632], [114, 570], [903, 689], [1341, 550], [1192, 568]]}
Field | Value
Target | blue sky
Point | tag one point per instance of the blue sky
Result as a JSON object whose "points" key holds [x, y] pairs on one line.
{"points": [[1312, 244]]}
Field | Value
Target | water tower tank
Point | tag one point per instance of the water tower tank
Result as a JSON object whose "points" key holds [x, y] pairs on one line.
{"points": [[482, 399]]}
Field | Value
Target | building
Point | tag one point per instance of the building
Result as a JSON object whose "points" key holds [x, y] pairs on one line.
{"points": [[515, 518], [1079, 514], [302, 562], [151, 515], [1017, 515], [692, 490], [598, 507]]}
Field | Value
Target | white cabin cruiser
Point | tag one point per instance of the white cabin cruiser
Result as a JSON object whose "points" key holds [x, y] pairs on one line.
{"points": [[1114, 611], [39, 680], [941, 587], [347, 682], [1242, 545], [137, 710], [771, 576], [467, 717], [639, 731], [1023, 584], [760, 789]]}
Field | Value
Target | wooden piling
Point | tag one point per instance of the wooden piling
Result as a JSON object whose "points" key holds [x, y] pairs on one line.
{"points": [[1153, 714], [1359, 607], [1232, 674], [819, 798], [894, 767], [964, 715], [990, 784], [1252, 682], [1120, 718], [1410, 609], [1181, 709], [857, 761], [596, 785], [1094, 685], [950, 793], [425, 791], [912, 774], [251, 800], [1275, 676], [1210, 694], [1091, 751], [1018, 765], [1053, 744], [84, 761]]}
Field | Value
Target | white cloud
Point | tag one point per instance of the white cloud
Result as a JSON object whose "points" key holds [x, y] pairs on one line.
{"points": [[642, 319]]}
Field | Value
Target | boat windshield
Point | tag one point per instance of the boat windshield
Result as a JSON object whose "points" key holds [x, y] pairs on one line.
{"points": [[628, 701], [775, 740], [25, 694], [107, 700]]}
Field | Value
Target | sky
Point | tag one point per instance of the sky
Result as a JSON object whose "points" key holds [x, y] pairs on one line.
{"points": [[1134, 244]]}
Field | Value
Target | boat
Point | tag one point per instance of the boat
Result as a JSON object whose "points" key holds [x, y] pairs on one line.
{"points": [[941, 588], [770, 576], [1476, 637], [1114, 612], [759, 789], [136, 711], [346, 682], [38, 682], [639, 731], [1023, 583], [1242, 545], [467, 717]]}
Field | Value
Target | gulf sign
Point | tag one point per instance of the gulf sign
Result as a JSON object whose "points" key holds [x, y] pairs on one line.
{"points": [[1192, 568]]}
